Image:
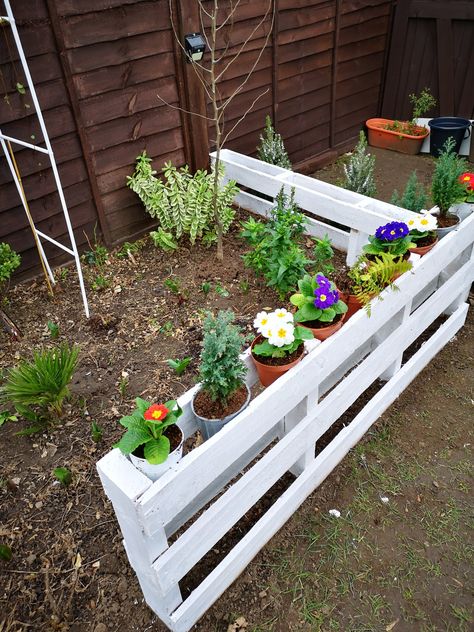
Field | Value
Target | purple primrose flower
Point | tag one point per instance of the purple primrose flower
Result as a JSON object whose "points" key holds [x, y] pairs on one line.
{"points": [[325, 297], [392, 231], [323, 282]]}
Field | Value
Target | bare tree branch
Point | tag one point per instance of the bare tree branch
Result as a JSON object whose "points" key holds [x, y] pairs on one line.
{"points": [[244, 115], [230, 16], [247, 40], [178, 107]]}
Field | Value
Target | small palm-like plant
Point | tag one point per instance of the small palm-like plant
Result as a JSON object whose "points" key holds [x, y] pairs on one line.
{"points": [[37, 388]]}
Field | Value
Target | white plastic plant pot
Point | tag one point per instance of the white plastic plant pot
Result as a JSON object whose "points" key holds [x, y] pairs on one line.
{"points": [[155, 471]]}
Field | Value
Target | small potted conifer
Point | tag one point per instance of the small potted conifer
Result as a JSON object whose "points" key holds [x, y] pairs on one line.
{"points": [[223, 393]]}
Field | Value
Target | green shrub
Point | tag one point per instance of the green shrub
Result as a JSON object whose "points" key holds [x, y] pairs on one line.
{"points": [[275, 251], [37, 388], [323, 255], [221, 371], [359, 173], [272, 148], [9, 261], [414, 197], [446, 187], [182, 203]]}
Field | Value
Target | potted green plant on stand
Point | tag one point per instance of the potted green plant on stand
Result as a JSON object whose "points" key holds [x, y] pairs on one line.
{"points": [[279, 345], [319, 306], [153, 441], [223, 393], [447, 189], [404, 136]]}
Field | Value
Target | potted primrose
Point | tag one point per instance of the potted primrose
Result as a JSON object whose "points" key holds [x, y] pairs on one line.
{"points": [[392, 238], [223, 393], [319, 306], [403, 136], [423, 233], [153, 441], [279, 345], [466, 205], [447, 188]]}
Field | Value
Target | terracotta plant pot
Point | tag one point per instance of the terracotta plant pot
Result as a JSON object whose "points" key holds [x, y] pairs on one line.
{"points": [[422, 250], [396, 141], [353, 305], [267, 373], [155, 471], [321, 333]]}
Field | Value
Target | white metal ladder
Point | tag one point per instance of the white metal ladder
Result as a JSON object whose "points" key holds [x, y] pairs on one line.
{"points": [[49, 151]]}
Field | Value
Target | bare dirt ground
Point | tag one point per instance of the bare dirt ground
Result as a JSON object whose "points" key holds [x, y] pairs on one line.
{"points": [[398, 558]]}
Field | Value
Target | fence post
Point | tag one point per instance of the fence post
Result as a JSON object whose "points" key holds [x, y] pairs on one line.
{"points": [[292, 419], [124, 485], [394, 323], [357, 241]]}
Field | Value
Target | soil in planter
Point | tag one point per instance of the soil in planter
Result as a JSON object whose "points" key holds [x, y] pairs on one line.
{"points": [[447, 221], [205, 407], [317, 324], [425, 241], [280, 361], [174, 435]]}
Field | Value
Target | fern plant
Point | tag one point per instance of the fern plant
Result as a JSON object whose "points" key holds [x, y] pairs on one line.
{"points": [[272, 148], [359, 173], [38, 388], [369, 279], [183, 203], [221, 371]]}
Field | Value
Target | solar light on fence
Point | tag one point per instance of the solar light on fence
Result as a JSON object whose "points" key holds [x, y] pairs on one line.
{"points": [[195, 46]]}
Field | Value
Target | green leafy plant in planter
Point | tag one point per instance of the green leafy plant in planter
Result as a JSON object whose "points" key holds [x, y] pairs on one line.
{"points": [[272, 148], [223, 392], [146, 427], [276, 251], [392, 238], [323, 255], [446, 186], [182, 202], [359, 172], [421, 103], [319, 305], [9, 262], [414, 197], [37, 388]]}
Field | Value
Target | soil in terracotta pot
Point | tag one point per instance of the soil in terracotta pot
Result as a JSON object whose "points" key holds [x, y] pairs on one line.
{"points": [[317, 324], [205, 407], [280, 361], [174, 435], [425, 241]]}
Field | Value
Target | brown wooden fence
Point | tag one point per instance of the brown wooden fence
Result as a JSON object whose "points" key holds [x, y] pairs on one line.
{"points": [[98, 66], [432, 45]]}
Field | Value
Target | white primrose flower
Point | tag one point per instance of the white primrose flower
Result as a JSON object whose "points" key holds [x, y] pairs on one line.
{"points": [[281, 334], [426, 221], [262, 321], [282, 315]]}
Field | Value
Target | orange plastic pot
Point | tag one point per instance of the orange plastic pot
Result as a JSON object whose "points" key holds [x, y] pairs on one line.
{"points": [[267, 374], [395, 141], [353, 305], [321, 333]]}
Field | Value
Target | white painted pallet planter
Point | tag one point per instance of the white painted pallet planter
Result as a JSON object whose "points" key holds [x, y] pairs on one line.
{"points": [[290, 414]]}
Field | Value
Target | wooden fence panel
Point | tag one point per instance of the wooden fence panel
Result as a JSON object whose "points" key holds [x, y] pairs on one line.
{"points": [[432, 46], [17, 119]]}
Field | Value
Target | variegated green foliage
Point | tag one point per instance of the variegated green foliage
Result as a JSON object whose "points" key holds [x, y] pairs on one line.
{"points": [[182, 202]]}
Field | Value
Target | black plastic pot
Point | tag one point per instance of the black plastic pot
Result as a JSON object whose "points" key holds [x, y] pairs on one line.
{"points": [[444, 127]]}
